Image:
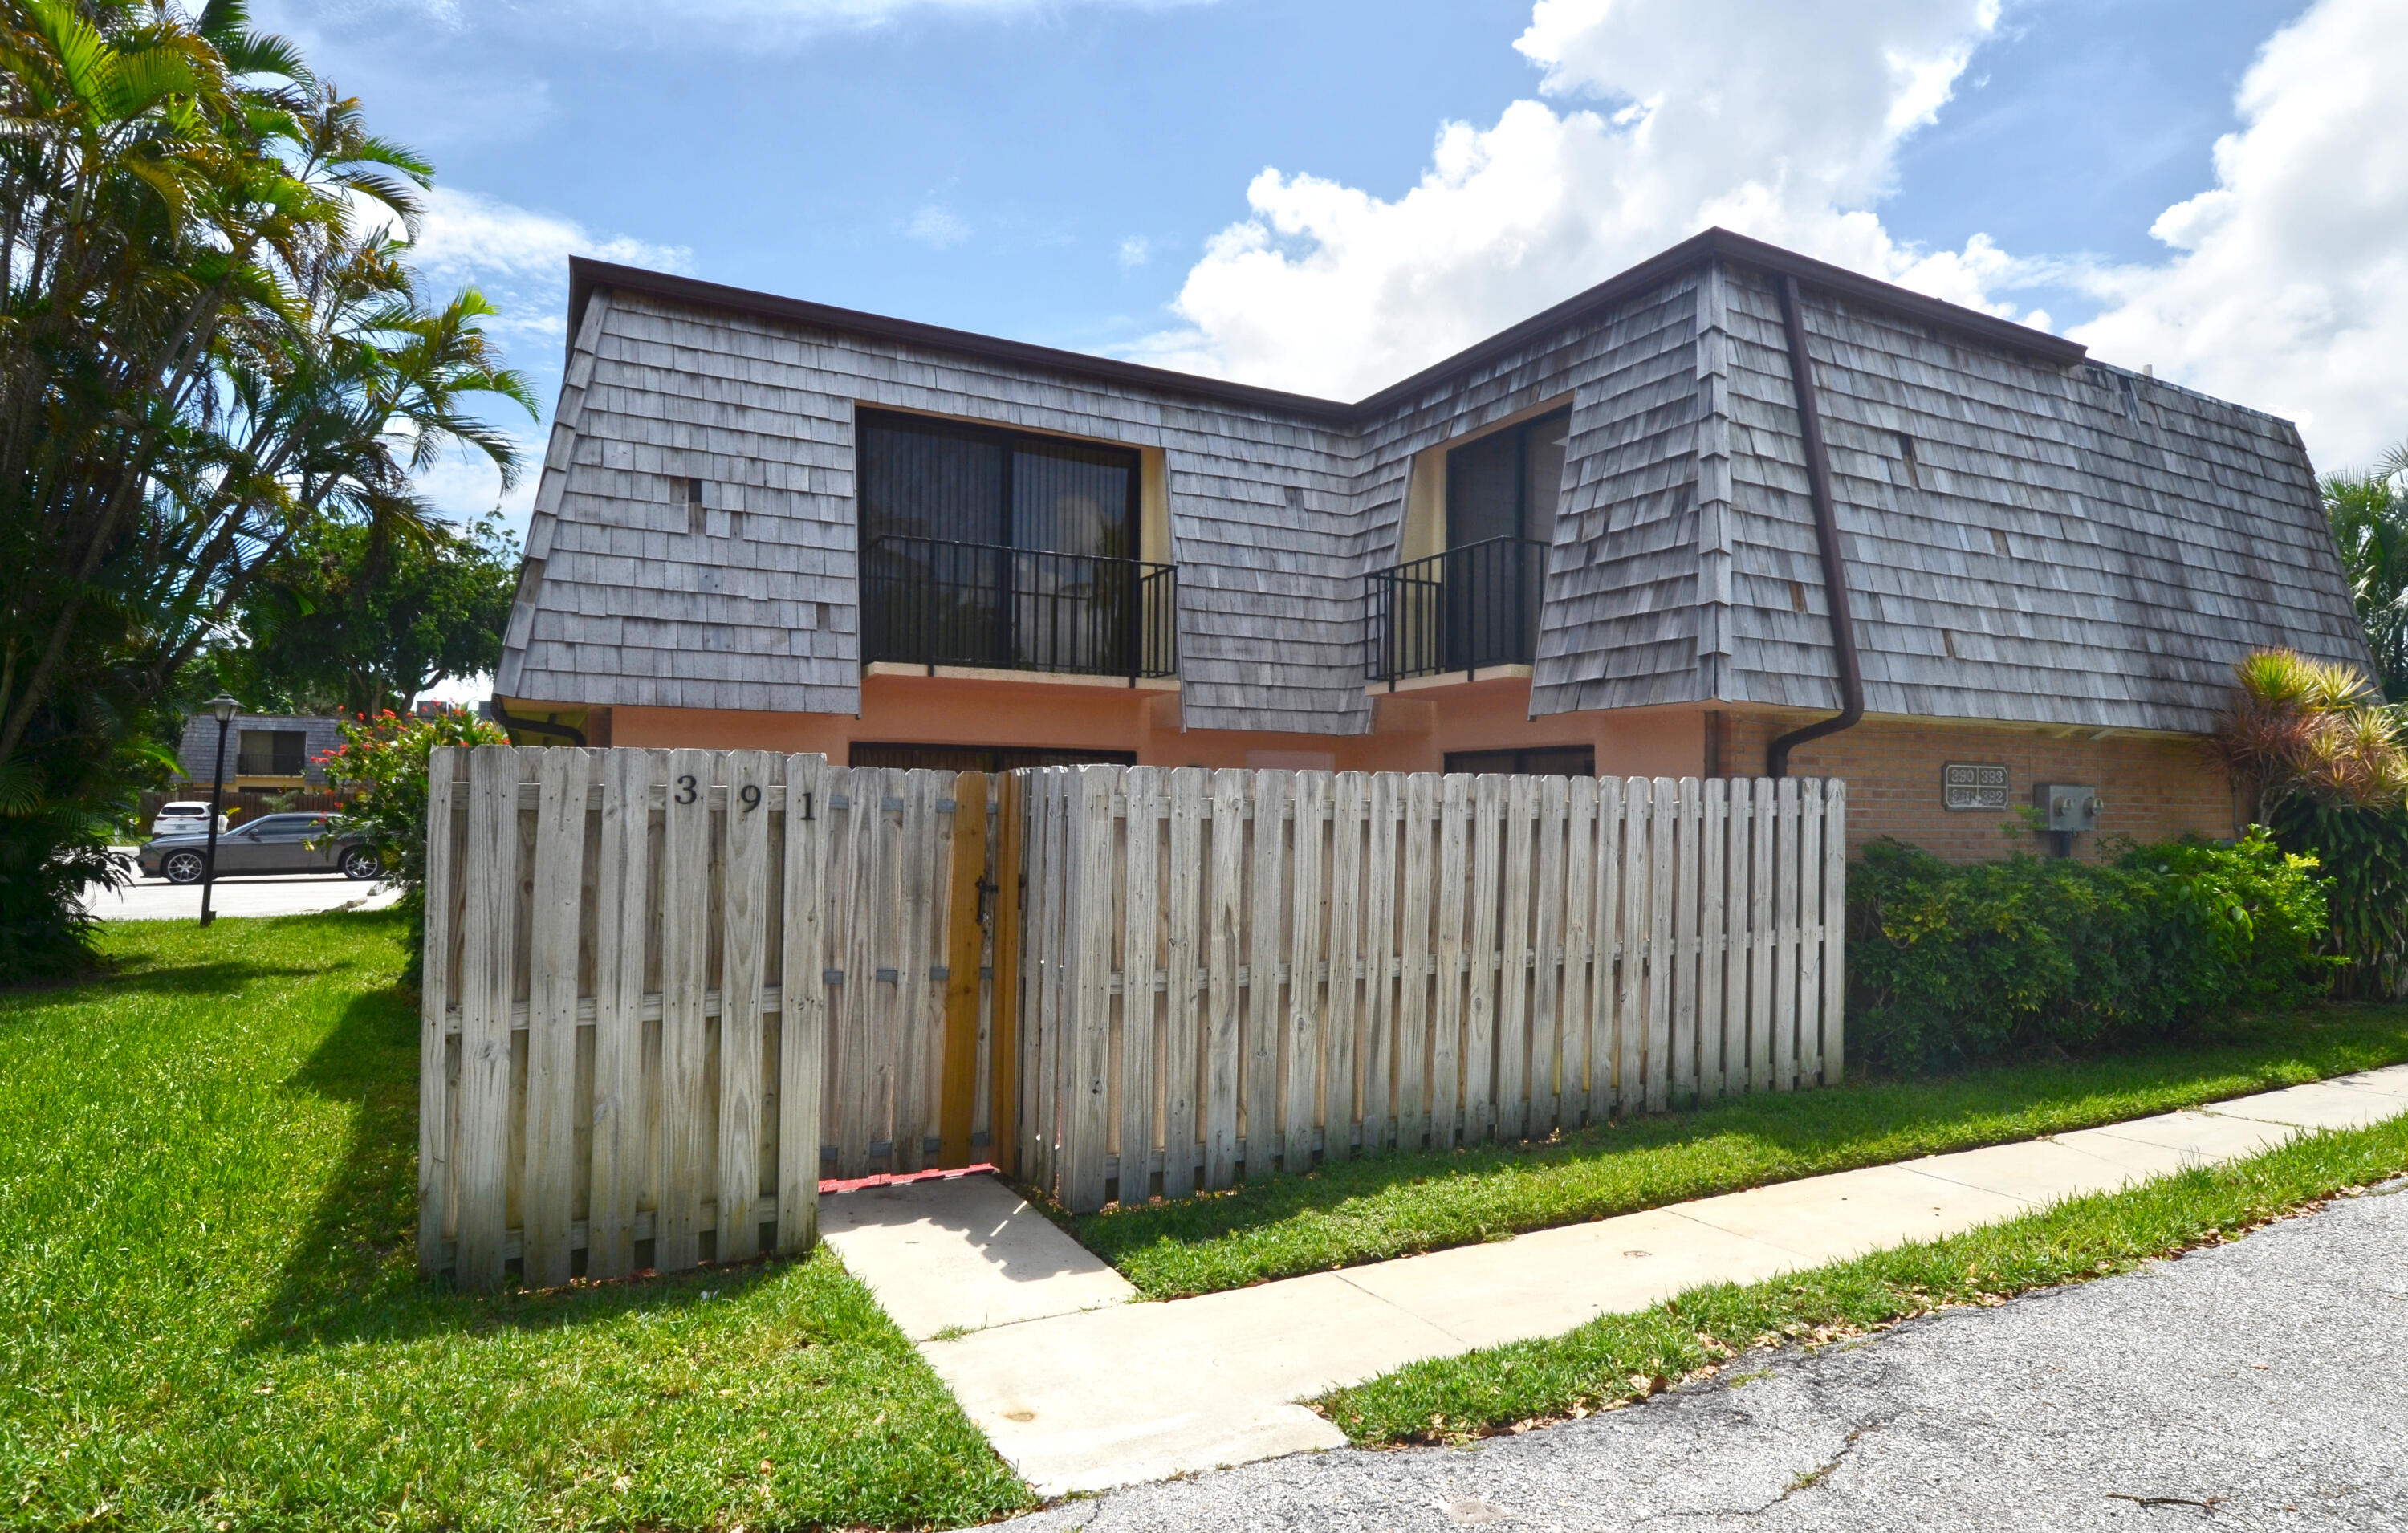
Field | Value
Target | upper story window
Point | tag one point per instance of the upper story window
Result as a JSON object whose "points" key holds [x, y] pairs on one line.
{"points": [[996, 548], [1506, 484], [959, 483]]}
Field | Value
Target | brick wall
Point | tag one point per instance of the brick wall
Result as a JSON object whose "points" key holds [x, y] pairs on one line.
{"points": [[2153, 787]]}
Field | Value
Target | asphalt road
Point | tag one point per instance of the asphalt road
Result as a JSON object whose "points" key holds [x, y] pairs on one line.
{"points": [[278, 893], [2262, 1384]]}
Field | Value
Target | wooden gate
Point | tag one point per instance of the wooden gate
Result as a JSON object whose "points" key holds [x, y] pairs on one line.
{"points": [[666, 992]]}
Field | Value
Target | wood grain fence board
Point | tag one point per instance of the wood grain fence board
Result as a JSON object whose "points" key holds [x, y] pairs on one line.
{"points": [[1513, 959], [1266, 905], [1835, 930], [1580, 891], [1300, 1026], [1810, 932], [926, 839], [1663, 873], [1341, 1088], [1638, 890], [1142, 1044], [685, 976], [1765, 820], [622, 923], [1713, 848], [1689, 817], [1051, 881], [1739, 851], [1483, 951], [861, 1111], [957, 1102], [1416, 987], [490, 872], [1086, 1120], [802, 1015], [743, 969], [1454, 949], [1606, 947], [1182, 995], [1225, 1039], [551, 1108], [1382, 809], [1785, 939], [1551, 900], [1004, 1118], [444, 766]]}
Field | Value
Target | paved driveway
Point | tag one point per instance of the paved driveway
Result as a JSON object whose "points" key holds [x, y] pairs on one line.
{"points": [[2261, 1385], [279, 894]]}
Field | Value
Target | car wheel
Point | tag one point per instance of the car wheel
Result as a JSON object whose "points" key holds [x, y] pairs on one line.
{"points": [[184, 866], [359, 862]]}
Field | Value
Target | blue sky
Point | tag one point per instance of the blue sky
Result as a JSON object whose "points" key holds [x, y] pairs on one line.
{"points": [[1096, 175]]}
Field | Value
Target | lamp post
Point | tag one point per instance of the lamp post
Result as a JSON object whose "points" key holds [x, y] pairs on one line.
{"points": [[225, 708]]}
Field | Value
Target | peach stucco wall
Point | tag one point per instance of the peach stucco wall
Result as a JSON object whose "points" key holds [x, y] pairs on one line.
{"points": [[2153, 786]]}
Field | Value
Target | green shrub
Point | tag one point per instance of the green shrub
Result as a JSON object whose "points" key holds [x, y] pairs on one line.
{"points": [[383, 760], [1952, 962], [2364, 848]]}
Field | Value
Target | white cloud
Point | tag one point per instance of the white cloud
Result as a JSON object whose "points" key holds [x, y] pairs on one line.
{"points": [[1134, 251], [937, 227], [466, 235], [2287, 284], [1778, 119]]}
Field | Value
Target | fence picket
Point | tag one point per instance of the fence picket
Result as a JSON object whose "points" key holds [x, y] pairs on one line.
{"points": [[1785, 938], [685, 974], [1417, 903], [491, 878], [1809, 930], [1183, 997], [1340, 1091], [1300, 1024], [1835, 929], [1380, 961], [1630, 1005], [1550, 901], [1266, 903], [1765, 826], [1138, 1085], [1736, 848], [1225, 1037], [1448, 1103], [743, 964], [1686, 906], [1513, 962], [1086, 1109], [551, 1108], [435, 1097], [1580, 875], [1714, 845], [1606, 946], [802, 1011]]}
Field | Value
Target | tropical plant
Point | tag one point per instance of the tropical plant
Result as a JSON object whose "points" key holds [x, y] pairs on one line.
{"points": [[382, 764], [2327, 767], [209, 351], [2369, 512]]}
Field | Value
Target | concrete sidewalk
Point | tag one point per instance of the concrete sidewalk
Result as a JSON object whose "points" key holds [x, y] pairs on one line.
{"points": [[1080, 1389]]}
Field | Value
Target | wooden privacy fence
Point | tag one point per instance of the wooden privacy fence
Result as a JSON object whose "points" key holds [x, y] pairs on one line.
{"points": [[1230, 969], [665, 992]]}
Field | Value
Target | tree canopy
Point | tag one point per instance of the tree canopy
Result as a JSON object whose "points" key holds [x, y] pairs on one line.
{"points": [[213, 351]]}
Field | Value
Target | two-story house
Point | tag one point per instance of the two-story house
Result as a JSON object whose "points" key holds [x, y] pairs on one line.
{"points": [[1674, 526]]}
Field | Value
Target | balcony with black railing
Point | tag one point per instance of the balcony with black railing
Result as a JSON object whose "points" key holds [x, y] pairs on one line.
{"points": [[929, 602], [1463, 611]]}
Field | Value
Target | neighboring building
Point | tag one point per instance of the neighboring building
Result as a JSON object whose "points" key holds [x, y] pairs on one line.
{"points": [[1588, 543], [265, 754]]}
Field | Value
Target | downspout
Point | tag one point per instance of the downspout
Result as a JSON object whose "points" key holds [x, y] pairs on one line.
{"points": [[512, 721], [1826, 538]]}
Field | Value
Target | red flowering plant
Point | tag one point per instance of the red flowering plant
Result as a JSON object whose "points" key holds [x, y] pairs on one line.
{"points": [[381, 766]]}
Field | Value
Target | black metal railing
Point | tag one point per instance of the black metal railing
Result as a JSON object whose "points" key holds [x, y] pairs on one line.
{"points": [[1469, 607], [929, 602]]}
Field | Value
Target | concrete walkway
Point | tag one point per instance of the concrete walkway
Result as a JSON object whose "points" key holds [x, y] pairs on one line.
{"points": [[1081, 1390]]}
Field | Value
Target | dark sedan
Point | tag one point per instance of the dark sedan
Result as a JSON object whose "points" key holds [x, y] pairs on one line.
{"points": [[273, 843]]}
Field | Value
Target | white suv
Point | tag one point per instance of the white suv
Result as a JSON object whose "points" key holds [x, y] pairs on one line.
{"points": [[188, 818]]}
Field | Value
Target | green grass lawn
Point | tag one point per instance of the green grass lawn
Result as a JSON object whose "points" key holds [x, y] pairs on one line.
{"points": [[210, 1319], [1397, 1204], [1614, 1359]]}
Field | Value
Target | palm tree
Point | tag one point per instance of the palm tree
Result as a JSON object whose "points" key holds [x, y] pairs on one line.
{"points": [[2369, 512]]}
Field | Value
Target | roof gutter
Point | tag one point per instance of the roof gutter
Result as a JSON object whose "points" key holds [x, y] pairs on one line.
{"points": [[1826, 538]]}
